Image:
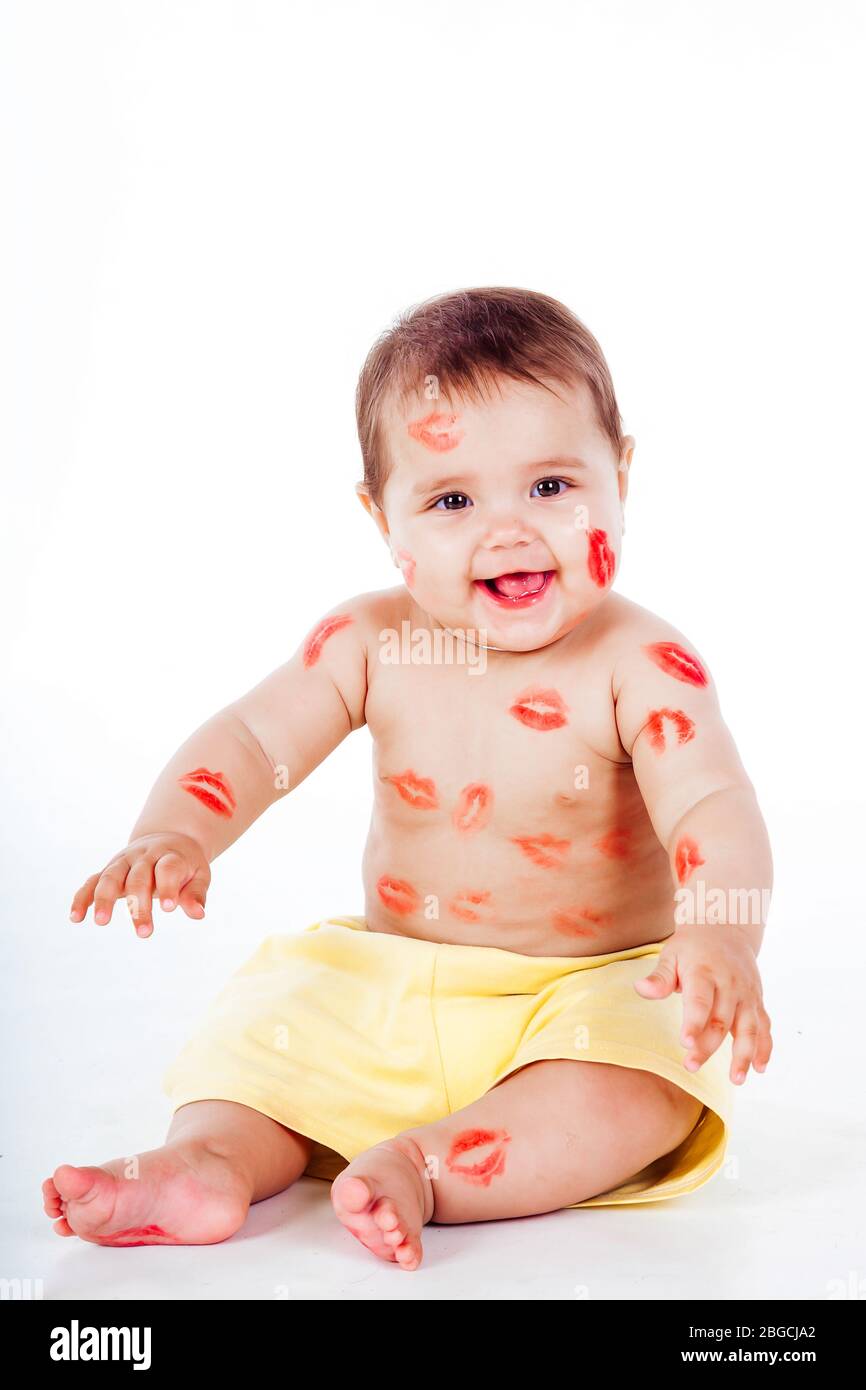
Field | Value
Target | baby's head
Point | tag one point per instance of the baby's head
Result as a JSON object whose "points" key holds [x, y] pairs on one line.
{"points": [[493, 450]]}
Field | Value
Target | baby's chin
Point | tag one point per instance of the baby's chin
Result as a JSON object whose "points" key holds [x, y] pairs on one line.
{"points": [[522, 624]]}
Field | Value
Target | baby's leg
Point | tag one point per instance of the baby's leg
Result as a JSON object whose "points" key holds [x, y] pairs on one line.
{"points": [[551, 1134], [218, 1157]]}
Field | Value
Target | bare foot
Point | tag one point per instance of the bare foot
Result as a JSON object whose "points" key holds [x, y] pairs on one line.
{"points": [[384, 1197], [183, 1194]]}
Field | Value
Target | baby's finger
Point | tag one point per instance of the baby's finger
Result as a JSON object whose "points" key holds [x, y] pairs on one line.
{"points": [[171, 872], [139, 895], [745, 1032], [698, 994], [193, 894], [83, 898], [108, 889], [764, 1045], [717, 1027]]}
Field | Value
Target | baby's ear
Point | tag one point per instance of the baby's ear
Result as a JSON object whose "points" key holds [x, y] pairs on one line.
{"points": [[363, 494]]}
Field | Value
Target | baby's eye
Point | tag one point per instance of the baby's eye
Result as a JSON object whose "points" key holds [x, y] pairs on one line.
{"points": [[448, 498], [559, 483]]}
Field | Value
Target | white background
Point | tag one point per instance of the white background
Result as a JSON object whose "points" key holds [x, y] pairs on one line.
{"points": [[210, 211]]}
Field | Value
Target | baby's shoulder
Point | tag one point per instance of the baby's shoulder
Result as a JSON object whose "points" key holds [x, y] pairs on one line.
{"points": [[369, 613], [631, 632]]}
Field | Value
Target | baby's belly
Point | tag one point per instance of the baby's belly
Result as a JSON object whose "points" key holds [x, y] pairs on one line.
{"points": [[554, 894]]}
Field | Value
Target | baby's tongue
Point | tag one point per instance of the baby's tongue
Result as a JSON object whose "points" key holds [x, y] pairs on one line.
{"points": [[518, 584]]}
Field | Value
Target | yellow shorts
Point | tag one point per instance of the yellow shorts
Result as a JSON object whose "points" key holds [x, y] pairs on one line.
{"points": [[351, 1036]]}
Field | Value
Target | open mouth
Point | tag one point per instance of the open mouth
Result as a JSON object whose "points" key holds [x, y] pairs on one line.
{"points": [[520, 589]]}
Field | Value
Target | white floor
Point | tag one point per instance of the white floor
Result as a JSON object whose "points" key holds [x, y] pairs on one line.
{"points": [[91, 1021]]}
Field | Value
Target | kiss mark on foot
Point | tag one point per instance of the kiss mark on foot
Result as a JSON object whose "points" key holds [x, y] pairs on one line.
{"points": [[675, 661], [600, 559], [398, 895], [459, 905], [147, 1235], [544, 850], [482, 1173], [320, 634], [211, 789], [685, 727], [540, 708], [616, 844], [419, 792], [474, 808], [687, 857], [436, 431]]}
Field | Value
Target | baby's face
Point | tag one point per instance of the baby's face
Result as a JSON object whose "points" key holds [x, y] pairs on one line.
{"points": [[523, 488]]}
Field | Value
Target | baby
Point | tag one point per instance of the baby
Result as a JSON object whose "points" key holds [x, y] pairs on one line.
{"points": [[563, 838]]}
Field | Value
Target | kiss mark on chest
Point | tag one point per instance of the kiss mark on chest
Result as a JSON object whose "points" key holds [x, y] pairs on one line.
{"points": [[544, 850], [418, 792], [474, 808], [541, 708]]}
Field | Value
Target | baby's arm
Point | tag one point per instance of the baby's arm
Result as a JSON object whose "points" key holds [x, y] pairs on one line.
{"points": [[704, 810], [232, 768]]}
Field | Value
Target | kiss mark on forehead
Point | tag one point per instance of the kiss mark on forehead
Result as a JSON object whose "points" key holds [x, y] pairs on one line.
{"points": [[459, 905], [398, 895], [540, 708], [687, 857], [436, 431], [675, 661], [211, 789], [474, 808], [616, 844], [685, 727], [482, 1172], [419, 792], [320, 634], [600, 559], [544, 850]]}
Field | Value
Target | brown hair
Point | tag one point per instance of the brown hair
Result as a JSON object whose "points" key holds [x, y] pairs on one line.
{"points": [[467, 340]]}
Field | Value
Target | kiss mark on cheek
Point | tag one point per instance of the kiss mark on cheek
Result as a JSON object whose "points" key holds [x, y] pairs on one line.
{"points": [[474, 808], [320, 634], [600, 559], [616, 844], [675, 661], [459, 905], [579, 921], [687, 857], [150, 1235], [544, 850], [398, 895], [211, 789], [436, 431], [407, 566], [418, 792], [685, 727], [482, 1173], [540, 708]]}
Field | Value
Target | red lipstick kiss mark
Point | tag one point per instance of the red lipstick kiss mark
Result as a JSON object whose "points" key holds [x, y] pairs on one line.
{"points": [[675, 661], [320, 634], [458, 906], [474, 808], [579, 921], [687, 857], [616, 844], [685, 727], [211, 789], [398, 895], [419, 792], [436, 431], [407, 566], [152, 1235], [482, 1173], [601, 559], [544, 850], [540, 709]]}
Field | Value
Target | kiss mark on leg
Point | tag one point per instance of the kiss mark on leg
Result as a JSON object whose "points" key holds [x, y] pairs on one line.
{"points": [[398, 895], [474, 808], [419, 792], [687, 857], [436, 431], [579, 921], [320, 634], [459, 905], [486, 1169], [685, 727], [540, 708], [544, 850], [600, 559], [616, 844], [675, 661], [211, 789], [407, 566]]}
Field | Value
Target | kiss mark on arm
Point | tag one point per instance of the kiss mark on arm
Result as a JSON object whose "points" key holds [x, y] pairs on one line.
{"points": [[474, 808], [436, 431], [675, 661], [616, 844], [211, 789], [320, 634], [685, 727], [540, 708], [544, 850], [398, 895], [482, 1173], [687, 857], [600, 559], [579, 921], [459, 905], [419, 792]]}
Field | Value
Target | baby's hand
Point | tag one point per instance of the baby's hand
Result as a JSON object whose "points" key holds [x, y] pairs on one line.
{"points": [[173, 866], [715, 969]]}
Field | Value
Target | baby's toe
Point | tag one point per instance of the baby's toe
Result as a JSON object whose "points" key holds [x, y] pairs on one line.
{"points": [[408, 1255], [63, 1228], [385, 1215]]}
